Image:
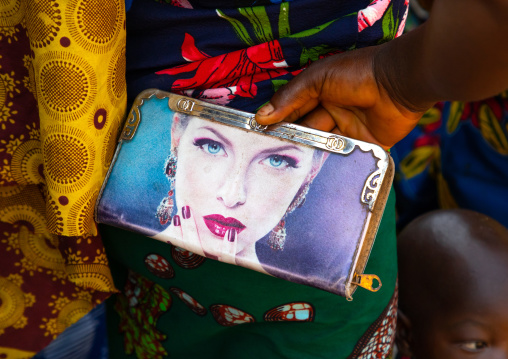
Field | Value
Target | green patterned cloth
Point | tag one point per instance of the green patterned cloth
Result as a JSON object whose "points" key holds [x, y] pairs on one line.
{"points": [[153, 318]]}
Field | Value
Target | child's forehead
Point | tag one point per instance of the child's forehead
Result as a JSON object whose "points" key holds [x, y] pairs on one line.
{"points": [[453, 257], [476, 297], [461, 240], [467, 318]]}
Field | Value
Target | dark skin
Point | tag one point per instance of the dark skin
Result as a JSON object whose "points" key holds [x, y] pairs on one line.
{"points": [[426, 4], [453, 268], [378, 94]]}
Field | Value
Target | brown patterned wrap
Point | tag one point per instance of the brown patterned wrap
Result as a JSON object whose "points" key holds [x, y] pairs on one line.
{"points": [[62, 100]]}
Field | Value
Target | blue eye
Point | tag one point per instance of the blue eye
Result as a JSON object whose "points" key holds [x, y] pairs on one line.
{"points": [[213, 148], [279, 161], [276, 161], [209, 146]]}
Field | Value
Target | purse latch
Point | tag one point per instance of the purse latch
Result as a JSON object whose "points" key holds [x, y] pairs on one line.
{"points": [[255, 125], [367, 281]]}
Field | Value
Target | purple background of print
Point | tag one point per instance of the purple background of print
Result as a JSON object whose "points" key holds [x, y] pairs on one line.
{"points": [[322, 235]]}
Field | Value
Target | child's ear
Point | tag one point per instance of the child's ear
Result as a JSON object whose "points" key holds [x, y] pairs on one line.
{"points": [[403, 336]]}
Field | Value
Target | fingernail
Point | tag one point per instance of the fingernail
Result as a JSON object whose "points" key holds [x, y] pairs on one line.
{"points": [[231, 235], [186, 212], [176, 220], [266, 109]]}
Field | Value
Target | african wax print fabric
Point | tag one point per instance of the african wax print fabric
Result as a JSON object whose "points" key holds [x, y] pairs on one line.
{"points": [[239, 56], [62, 98], [456, 158], [177, 304], [85, 339], [378, 340]]}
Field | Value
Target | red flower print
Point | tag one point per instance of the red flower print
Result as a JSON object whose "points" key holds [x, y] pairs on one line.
{"points": [[242, 68], [190, 52]]}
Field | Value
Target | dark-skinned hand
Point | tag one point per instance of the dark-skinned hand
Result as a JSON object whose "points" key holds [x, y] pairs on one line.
{"points": [[342, 94]]}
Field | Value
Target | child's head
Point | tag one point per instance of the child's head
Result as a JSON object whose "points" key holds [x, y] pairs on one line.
{"points": [[453, 280]]}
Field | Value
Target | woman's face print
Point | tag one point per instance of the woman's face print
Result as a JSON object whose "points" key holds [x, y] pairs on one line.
{"points": [[233, 179]]}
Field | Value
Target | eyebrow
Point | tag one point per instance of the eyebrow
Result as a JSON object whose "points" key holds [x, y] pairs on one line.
{"points": [[275, 149], [282, 148], [218, 134]]}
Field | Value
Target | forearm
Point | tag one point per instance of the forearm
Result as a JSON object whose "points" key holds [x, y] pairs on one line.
{"points": [[460, 53]]}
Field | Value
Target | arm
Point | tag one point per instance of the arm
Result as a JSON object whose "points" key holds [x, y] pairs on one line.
{"points": [[377, 94], [460, 53]]}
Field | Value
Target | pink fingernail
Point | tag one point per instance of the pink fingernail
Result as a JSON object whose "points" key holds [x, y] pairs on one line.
{"points": [[176, 220], [266, 109]]}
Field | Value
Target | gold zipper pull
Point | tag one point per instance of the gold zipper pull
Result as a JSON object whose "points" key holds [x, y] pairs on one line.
{"points": [[367, 281]]}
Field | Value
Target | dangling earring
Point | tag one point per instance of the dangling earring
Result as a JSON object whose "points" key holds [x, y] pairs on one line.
{"points": [[165, 209], [278, 234], [299, 200]]}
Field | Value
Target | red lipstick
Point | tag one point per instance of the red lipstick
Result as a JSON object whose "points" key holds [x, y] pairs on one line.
{"points": [[219, 225]]}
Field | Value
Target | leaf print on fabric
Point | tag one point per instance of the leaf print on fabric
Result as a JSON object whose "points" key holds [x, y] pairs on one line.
{"points": [[389, 25], [425, 153], [260, 22], [284, 29], [315, 53], [277, 84], [419, 160], [240, 30], [313, 31], [491, 129], [238, 70], [472, 111], [456, 110], [432, 116]]}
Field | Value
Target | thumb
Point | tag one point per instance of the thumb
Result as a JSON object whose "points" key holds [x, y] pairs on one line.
{"points": [[293, 100]]}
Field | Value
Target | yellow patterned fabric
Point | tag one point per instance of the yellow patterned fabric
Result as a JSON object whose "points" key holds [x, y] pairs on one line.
{"points": [[62, 101], [79, 66]]}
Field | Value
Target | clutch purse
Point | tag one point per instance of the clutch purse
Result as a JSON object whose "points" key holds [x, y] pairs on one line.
{"points": [[285, 200]]}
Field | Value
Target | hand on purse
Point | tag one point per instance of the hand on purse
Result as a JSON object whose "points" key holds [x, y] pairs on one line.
{"points": [[340, 94], [183, 231], [184, 234], [377, 94]]}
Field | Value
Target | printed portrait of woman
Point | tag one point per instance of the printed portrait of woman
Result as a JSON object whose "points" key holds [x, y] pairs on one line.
{"points": [[239, 196], [231, 187]]}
